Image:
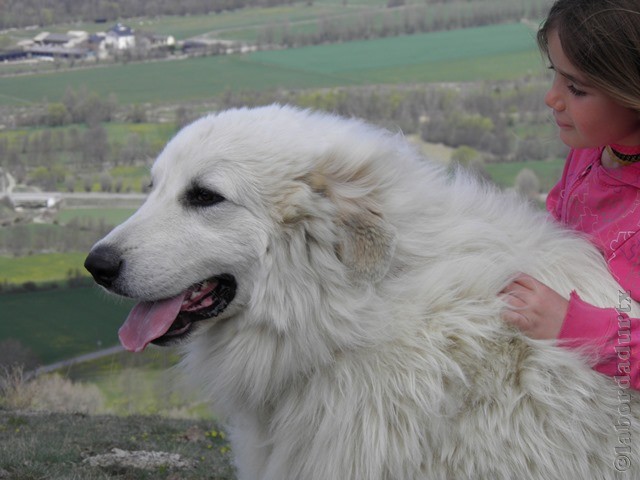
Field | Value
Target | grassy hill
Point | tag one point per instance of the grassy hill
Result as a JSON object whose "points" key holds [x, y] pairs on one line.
{"points": [[490, 53], [60, 446], [548, 172]]}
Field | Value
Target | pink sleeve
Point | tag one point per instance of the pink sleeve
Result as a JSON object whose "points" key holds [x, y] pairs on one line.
{"points": [[613, 337], [553, 203]]}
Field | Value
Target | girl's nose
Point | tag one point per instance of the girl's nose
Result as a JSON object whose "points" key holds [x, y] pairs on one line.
{"points": [[554, 100]]}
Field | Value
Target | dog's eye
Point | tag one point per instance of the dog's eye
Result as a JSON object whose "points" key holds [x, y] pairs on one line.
{"points": [[203, 197]]}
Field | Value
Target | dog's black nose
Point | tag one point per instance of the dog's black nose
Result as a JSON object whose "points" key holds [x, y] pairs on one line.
{"points": [[104, 264]]}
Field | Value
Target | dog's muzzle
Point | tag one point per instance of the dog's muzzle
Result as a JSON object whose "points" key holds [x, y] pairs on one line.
{"points": [[163, 321], [104, 264]]}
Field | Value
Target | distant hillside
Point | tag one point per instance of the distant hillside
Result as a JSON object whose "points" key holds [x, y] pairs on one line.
{"points": [[494, 52], [22, 13]]}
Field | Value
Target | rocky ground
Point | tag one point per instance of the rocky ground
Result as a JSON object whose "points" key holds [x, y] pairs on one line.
{"points": [[62, 446]]}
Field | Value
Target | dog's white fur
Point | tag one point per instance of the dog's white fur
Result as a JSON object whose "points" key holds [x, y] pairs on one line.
{"points": [[365, 341]]}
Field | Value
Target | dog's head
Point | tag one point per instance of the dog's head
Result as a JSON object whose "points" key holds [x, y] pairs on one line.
{"points": [[247, 208]]}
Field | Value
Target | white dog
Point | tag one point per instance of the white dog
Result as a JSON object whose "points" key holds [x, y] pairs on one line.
{"points": [[337, 298]]}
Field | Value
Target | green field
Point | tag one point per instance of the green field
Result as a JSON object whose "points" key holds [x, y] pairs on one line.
{"points": [[458, 55], [243, 24], [53, 267], [547, 171], [171, 81], [155, 134], [112, 216], [39, 268], [182, 27], [62, 323], [491, 53]]}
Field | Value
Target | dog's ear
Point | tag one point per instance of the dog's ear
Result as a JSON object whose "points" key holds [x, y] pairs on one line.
{"points": [[365, 241], [366, 244]]}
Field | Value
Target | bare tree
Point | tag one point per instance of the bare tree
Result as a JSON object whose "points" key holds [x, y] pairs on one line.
{"points": [[106, 182], [527, 183], [95, 145]]}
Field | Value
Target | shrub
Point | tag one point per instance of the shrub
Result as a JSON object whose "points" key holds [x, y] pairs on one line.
{"points": [[14, 393], [52, 393], [55, 393], [527, 183]]}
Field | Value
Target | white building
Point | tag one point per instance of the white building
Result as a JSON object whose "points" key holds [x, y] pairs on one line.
{"points": [[120, 37]]}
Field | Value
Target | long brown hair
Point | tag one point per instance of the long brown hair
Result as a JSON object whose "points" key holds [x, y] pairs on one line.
{"points": [[601, 38]]}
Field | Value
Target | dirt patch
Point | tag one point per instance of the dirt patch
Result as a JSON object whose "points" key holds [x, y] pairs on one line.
{"points": [[139, 459]]}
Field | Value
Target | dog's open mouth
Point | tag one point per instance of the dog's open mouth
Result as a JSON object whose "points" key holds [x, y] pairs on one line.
{"points": [[166, 321]]}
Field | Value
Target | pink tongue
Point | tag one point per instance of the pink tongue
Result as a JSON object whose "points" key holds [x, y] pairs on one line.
{"points": [[148, 321]]}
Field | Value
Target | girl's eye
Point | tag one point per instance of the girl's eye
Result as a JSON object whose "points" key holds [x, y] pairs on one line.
{"points": [[575, 91], [571, 87]]}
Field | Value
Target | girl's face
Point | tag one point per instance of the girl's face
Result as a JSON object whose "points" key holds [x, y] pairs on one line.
{"points": [[586, 116]]}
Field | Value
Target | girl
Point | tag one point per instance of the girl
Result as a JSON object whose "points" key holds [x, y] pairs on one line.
{"points": [[594, 50]]}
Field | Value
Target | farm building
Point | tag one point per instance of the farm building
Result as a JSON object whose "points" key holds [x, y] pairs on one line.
{"points": [[120, 37], [71, 39]]}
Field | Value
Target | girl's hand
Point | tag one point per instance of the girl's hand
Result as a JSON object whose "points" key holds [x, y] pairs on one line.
{"points": [[534, 308]]}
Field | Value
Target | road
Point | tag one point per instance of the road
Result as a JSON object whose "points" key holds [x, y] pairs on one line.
{"points": [[75, 199], [78, 199], [74, 361]]}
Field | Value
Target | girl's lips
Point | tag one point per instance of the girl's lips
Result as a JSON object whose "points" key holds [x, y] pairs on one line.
{"points": [[563, 125]]}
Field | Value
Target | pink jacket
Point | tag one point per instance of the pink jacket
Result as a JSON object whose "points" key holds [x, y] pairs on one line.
{"points": [[605, 204]]}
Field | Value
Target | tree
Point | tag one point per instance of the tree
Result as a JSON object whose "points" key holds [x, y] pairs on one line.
{"points": [[72, 101], [57, 115], [527, 183], [470, 159], [183, 116], [18, 240], [532, 148], [87, 183], [137, 114], [136, 148], [464, 155], [106, 182], [70, 183], [118, 184], [95, 145], [145, 185]]}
